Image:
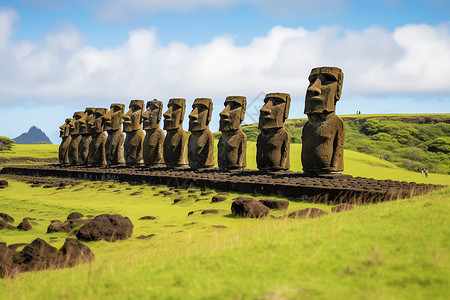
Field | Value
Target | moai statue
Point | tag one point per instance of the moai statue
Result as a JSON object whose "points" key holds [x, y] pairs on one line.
{"points": [[97, 152], [86, 136], [324, 132], [273, 144], [114, 143], [63, 154], [201, 140], [175, 142], [154, 136], [135, 136], [75, 138], [232, 146]]}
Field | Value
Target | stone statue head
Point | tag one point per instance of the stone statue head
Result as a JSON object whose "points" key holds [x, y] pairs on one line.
{"points": [[88, 115], [233, 113], [324, 90], [65, 128], [114, 117], [201, 114], [174, 116], [275, 110], [75, 124], [152, 116], [133, 118], [98, 121]]}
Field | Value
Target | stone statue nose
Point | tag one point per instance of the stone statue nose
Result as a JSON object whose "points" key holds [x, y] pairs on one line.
{"points": [[194, 114], [267, 108], [225, 113], [315, 88], [168, 113]]}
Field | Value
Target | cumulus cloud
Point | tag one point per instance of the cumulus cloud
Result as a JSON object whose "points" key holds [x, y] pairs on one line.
{"points": [[62, 68]]}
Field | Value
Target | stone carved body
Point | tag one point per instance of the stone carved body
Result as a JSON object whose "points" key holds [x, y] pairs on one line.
{"points": [[175, 142], [201, 140], [324, 133], [63, 152], [154, 136], [273, 143], [114, 147], [232, 145], [135, 136], [97, 151], [75, 138], [86, 136]]}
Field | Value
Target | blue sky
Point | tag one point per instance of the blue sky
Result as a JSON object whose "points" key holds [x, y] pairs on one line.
{"points": [[61, 56]]}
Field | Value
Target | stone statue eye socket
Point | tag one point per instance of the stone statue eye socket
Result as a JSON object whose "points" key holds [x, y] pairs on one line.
{"points": [[329, 79]]}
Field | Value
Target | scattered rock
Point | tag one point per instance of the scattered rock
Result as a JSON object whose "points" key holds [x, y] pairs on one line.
{"points": [[25, 225], [275, 204], [219, 226], [148, 218], [206, 193], [136, 193], [3, 184], [75, 252], [16, 246], [249, 208], [106, 227], [193, 212], [7, 218], [7, 268], [145, 237], [192, 191], [75, 215], [342, 207], [39, 255], [210, 211], [167, 193], [310, 212], [4, 225], [219, 198], [67, 226], [177, 200]]}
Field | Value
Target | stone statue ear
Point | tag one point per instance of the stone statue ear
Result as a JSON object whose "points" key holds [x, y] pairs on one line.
{"points": [[183, 111], [210, 109], [286, 108], [339, 87], [244, 108]]}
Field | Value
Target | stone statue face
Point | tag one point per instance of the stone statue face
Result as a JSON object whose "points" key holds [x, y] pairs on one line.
{"points": [[152, 116], [233, 113], [88, 114], [64, 129], [324, 90], [201, 114], [275, 110], [114, 117], [75, 124], [98, 121], [133, 118], [174, 116]]}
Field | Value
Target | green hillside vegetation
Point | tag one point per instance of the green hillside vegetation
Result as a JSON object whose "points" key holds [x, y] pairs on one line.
{"points": [[409, 141]]}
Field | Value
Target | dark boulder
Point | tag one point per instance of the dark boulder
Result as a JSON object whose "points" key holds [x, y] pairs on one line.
{"points": [[4, 225], [75, 252], [3, 184], [7, 218], [310, 212], [275, 204], [219, 198], [25, 225], [249, 208], [39, 255], [67, 226], [75, 215], [106, 227], [7, 268], [210, 211], [148, 218]]}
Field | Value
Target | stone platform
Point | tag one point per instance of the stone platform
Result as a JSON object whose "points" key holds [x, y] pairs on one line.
{"points": [[329, 189]]}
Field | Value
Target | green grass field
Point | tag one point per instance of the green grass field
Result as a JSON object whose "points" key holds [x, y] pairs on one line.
{"points": [[392, 250]]}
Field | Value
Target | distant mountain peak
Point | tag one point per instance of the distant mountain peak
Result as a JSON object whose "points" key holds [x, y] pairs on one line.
{"points": [[33, 136]]}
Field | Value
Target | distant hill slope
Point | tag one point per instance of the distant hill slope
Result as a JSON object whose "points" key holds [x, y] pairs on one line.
{"points": [[410, 141], [33, 136]]}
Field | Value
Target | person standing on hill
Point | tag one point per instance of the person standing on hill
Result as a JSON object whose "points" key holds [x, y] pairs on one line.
{"points": [[426, 173]]}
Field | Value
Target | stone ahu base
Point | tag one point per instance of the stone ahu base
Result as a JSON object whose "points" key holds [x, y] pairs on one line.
{"points": [[329, 189]]}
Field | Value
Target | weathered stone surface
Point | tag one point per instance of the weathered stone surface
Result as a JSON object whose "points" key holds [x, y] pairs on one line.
{"points": [[310, 212], [154, 136], [275, 204], [232, 145], [135, 136], [107, 227], [175, 142], [342, 207], [7, 218], [219, 198], [4, 225], [273, 143], [38, 255], [115, 154], [210, 211], [67, 226], [86, 137], [64, 134], [201, 140], [25, 225], [74, 131], [249, 208], [3, 183], [75, 215], [97, 147], [323, 134], [7, 268], [74, 252]]}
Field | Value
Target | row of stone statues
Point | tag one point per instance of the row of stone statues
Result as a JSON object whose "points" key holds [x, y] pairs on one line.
{"points": [[84, 141]]}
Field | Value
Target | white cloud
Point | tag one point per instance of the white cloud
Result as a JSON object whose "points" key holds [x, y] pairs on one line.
{"points": [[62, 68]]}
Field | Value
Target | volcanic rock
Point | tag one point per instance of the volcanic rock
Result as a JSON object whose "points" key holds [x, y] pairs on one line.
{"points": [[275, 204], [4, 225], [342, 207], [210, 211], [7, 268], [39, 255], [24, 225], [310, 212], [67, 226], [75, 252], [7, 218], [219, 198], [3, 184], [148, 218], [75, 215], [249, 208], [107, 227]]}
